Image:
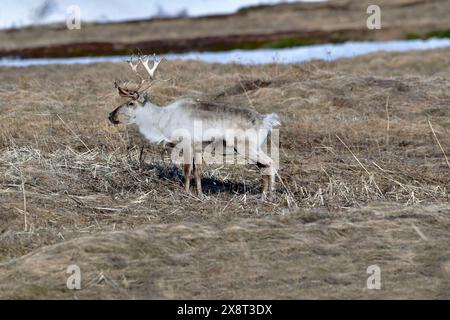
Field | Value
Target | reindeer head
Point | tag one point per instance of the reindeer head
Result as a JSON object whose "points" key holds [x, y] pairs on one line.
{"points": [[125, 113], [135, 92]]}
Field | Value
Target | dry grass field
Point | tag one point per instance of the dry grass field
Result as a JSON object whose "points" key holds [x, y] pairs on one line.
{"points": [[364, 182]]}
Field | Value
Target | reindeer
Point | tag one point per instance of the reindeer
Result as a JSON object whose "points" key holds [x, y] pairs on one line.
{"points": [[159, 125]]}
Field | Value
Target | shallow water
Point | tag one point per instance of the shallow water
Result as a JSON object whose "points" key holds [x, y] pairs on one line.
{"points": [[327, 52]]}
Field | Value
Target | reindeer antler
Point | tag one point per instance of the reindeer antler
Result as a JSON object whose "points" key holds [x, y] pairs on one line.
{"points": [[134, 66], [135, 93], [156, 62]]}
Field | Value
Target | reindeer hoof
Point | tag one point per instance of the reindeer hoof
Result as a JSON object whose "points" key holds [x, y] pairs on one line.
{"points": [[263, 196], [268, 196]]}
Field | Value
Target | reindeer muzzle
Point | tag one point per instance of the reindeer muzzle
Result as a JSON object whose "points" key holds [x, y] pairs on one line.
{"points": [[113, 117]]}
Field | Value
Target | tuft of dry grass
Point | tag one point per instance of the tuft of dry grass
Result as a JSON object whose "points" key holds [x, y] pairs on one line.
{"points": [[72, 189]]}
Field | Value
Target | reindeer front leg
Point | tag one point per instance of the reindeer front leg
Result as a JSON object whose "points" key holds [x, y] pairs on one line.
{"points": [[187, 176], [198, 172], [188, 160]]}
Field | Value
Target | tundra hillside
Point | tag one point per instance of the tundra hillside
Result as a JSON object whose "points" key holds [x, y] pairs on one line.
{"points": [[364, 182], [277, 26]]}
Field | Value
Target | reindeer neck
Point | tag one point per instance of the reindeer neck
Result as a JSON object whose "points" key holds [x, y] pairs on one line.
{"points": [[150, 118], [148, 114]]}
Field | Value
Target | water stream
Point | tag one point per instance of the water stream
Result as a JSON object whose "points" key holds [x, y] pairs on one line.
{"points": [[326, 52]]}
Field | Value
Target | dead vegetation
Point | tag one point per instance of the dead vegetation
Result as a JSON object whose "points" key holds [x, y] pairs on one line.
{"points": [[364, 182]]}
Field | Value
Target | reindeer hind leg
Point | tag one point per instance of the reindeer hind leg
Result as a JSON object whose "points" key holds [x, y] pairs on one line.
{"points": [[265, 163]]}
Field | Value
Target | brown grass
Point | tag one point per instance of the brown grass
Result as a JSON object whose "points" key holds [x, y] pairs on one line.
{"points": [[72, 190]]}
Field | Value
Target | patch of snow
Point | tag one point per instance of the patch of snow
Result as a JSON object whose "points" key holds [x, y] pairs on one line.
{"points": [[327, 52]]}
